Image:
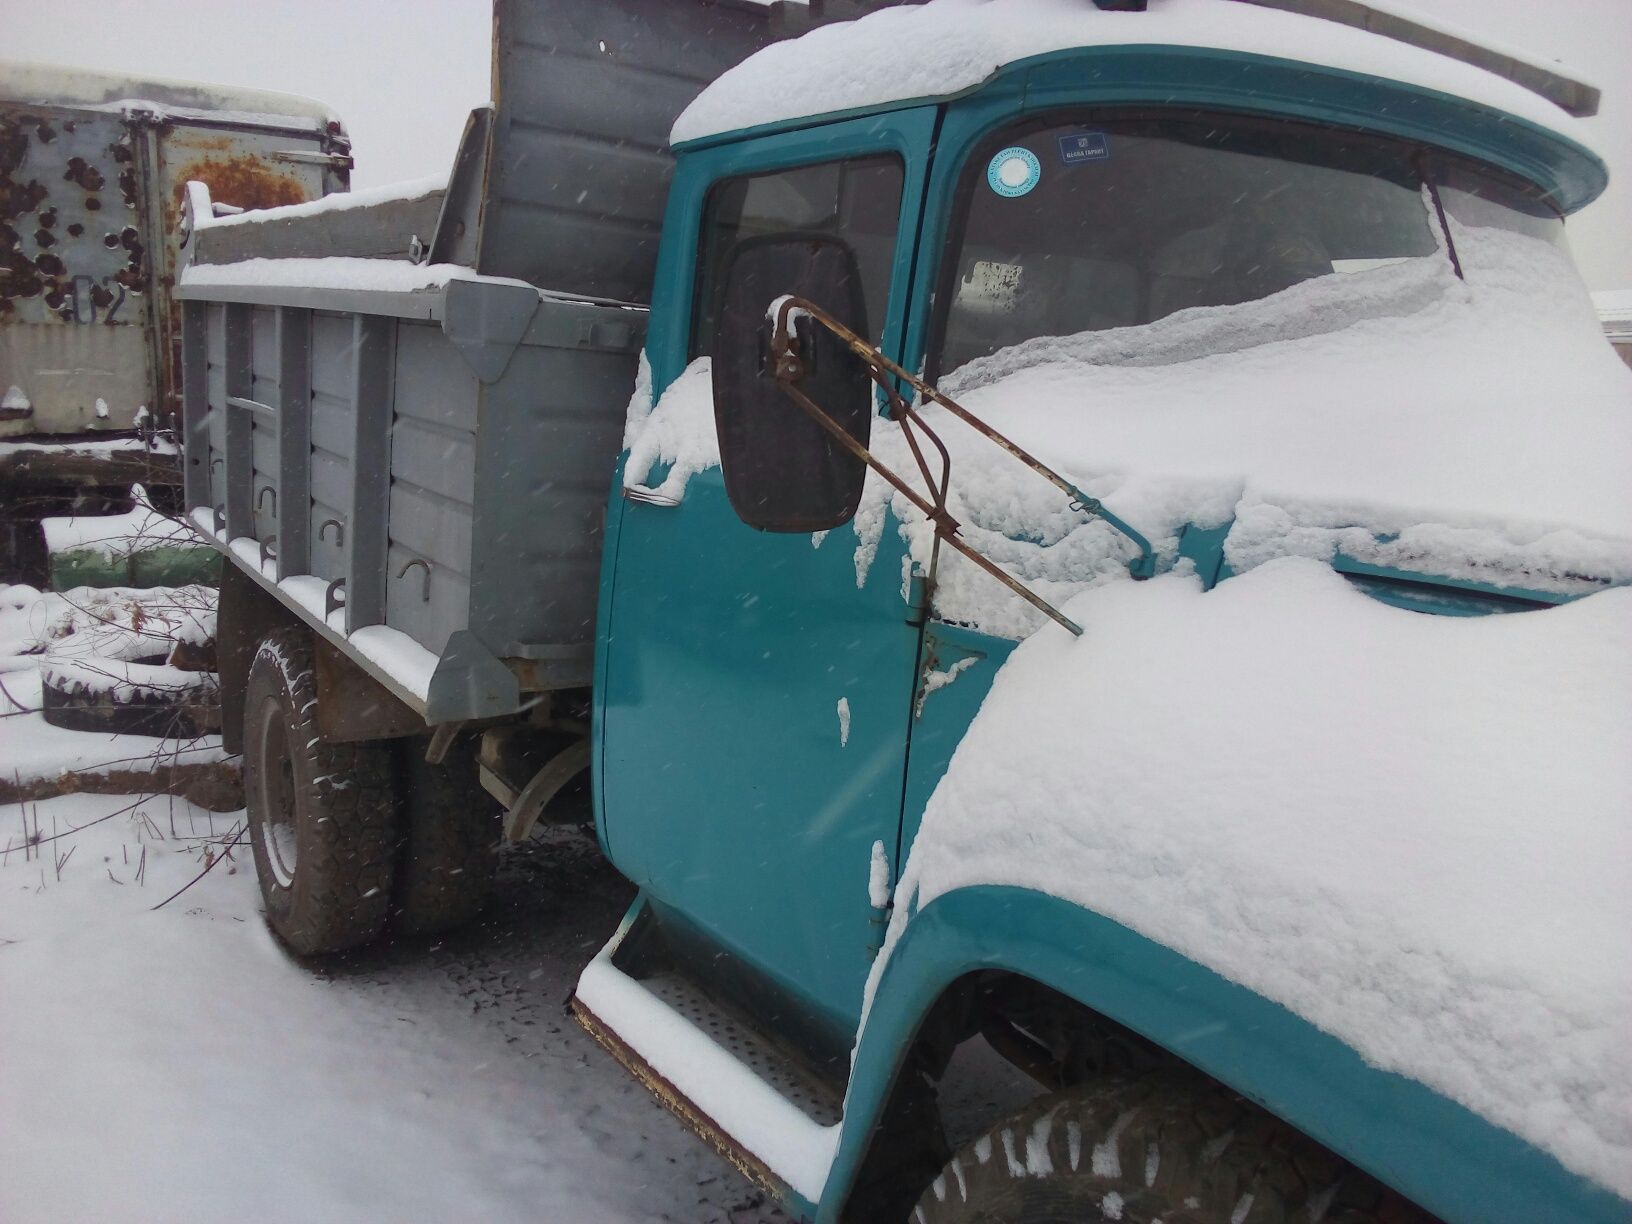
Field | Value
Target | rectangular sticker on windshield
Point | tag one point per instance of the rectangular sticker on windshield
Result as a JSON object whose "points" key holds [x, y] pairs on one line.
{"points": [[1079, 147]]}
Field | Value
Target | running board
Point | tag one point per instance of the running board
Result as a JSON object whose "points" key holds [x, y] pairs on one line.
{"points": [[771, 1140]]}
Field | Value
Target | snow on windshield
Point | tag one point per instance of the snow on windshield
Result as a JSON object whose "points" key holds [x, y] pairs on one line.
{"points": [[1476, 429], [1479, 430], [947, 46]]}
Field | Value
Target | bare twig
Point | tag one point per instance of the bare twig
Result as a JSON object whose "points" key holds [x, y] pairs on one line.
{"points": [[210, 862]]}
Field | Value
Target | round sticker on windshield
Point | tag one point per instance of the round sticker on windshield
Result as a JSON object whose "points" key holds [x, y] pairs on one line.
{"points": [[1014, 171]]}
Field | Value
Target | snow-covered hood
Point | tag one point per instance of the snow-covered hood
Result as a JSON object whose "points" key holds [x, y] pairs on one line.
{"points": [[1410, 830]]}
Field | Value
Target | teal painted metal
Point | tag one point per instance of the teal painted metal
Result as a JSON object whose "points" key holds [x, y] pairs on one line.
{"points": [[729, 788], [1440, 1154], [940, 718], [1142, 566], [1203, 547]]}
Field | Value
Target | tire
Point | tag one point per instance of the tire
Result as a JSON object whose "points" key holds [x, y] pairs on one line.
{"points": [[1148, 1149], [450, 840], [322, 817]]}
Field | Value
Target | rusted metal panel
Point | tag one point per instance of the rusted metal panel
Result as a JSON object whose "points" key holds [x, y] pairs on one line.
{"points": [[93, 173], [73, 271]]}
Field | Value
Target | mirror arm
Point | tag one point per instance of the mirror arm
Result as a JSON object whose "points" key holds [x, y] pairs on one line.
{"points": [[784, 340], [789, 369]]}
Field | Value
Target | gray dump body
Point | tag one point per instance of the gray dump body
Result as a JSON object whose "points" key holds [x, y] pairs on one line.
{"points": [[436, 460]]}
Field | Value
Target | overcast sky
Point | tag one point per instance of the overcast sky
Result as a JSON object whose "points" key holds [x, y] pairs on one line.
{"points": [[403, 74]]}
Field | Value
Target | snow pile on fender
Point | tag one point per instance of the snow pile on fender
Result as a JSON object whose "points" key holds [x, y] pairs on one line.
{"points": [[1412, 831]]}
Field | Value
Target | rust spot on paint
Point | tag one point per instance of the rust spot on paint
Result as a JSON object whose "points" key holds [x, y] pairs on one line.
{"points": [[244, 181], [86, 175]]}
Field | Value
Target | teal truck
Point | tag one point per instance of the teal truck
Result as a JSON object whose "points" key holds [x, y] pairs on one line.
{"points": [[1116, 556]]}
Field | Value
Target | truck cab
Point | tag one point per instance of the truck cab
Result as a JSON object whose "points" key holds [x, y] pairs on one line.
{"points": [[1141, 219], [1118, 557]]}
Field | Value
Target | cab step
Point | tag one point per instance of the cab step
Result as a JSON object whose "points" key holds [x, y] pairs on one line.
{"points": [[757, 1107]]}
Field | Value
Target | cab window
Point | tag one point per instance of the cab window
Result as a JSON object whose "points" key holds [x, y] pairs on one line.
{"points": [[858, 200]]}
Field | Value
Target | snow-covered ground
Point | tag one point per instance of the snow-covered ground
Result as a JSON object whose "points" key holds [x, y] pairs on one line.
{"points": [[166, 1059], [177, 1064]]}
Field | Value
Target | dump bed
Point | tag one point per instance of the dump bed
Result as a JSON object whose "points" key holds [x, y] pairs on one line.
{"points": [[429, 463], [403, 413]]}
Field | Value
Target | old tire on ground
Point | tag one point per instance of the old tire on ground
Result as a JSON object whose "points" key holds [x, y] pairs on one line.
{"points": [[450, 840], [322, 816], [1154, 1148]]}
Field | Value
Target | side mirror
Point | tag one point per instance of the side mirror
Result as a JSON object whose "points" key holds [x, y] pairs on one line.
{"points": [[783, 471]]}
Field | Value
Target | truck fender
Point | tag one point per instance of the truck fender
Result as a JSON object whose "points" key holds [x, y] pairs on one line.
{"points": [[1436, 1152]]}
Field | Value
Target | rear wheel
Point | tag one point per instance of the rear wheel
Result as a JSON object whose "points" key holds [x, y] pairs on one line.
{"points": [[1153, 1149], [450, 840], [321, 816]]}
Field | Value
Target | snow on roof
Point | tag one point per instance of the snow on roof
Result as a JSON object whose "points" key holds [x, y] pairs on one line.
{"points": [[1409, 830], [57, 85], [946, 46]]}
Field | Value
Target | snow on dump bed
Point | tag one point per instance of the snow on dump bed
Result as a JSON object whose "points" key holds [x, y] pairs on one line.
{"points": [[946, 46], [333, 272], [1412, 831], [339, 201]]}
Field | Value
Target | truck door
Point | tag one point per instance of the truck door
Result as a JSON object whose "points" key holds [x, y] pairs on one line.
{"points": [[754, 694]]}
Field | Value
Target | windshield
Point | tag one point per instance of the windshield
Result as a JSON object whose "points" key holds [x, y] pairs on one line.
{"points": [[1099, 222]]}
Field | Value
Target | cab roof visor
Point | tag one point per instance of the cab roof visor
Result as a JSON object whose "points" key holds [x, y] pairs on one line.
{"points": [[1575, 97]]}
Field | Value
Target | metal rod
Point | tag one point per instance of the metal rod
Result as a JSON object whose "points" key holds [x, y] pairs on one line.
{"points": [[1141, 567]]}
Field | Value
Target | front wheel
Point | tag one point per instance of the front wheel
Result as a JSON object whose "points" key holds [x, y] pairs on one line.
{"points": [[1153, 1150], [322, 816]]}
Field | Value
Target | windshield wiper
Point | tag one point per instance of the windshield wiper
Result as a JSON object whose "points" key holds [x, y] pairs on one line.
{"points": [[788, 367]]}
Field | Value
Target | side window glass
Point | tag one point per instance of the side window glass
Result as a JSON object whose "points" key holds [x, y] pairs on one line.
{"points": [[858, 200]]}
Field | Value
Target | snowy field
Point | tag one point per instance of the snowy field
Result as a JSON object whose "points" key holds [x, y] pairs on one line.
{"points": [[175, 1063], [163, 1058]]}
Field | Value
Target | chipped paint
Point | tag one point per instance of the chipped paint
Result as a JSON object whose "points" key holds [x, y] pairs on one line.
{"points": [[90, 200]]}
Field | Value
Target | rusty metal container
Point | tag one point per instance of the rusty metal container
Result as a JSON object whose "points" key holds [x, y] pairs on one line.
{"points": [[93, 174]]}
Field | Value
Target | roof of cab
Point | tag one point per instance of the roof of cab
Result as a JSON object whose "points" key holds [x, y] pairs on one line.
{"points": [[915, 54], [56, 85]]}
